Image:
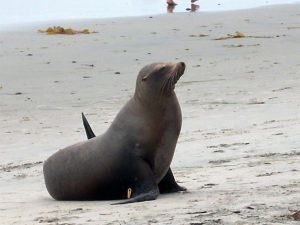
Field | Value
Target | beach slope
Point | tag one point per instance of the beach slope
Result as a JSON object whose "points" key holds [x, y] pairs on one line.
{"points": [[239, 150]]}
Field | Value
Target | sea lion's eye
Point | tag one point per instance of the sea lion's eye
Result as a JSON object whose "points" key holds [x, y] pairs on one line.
{"points": [[145, 78]]}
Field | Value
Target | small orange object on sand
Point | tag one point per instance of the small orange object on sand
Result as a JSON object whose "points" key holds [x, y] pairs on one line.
{"points": [[129, 191]]}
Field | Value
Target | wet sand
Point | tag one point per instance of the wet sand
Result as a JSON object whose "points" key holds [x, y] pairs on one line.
{"points": [[239, 150]]}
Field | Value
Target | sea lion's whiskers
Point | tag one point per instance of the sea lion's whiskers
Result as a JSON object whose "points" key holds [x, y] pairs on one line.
{"points": [[163, 87], [176, 76], [170, 83]]}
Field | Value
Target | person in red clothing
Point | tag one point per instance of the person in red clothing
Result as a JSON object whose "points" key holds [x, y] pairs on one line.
{"points": [[171, 6], [172, 3]]}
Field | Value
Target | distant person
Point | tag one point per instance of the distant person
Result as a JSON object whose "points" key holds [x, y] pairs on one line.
{"points": [[171, 6], [171, 3], [194, 7]]}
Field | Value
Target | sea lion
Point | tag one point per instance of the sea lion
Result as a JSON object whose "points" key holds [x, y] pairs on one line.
{"points": [[132, 158]]}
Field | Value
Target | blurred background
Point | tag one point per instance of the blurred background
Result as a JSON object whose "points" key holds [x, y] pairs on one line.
{"points": [[27, 11]]}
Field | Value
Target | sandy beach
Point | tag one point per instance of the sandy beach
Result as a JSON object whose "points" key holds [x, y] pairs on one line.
{"points": [[239, 149]]}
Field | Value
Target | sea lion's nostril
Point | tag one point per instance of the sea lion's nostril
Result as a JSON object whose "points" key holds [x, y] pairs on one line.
{"points": [[182, 64]]}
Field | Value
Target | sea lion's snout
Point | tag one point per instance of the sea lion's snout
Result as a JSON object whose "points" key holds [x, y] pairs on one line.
{"points": [[182, 64], [177, 72], [180, 67]]}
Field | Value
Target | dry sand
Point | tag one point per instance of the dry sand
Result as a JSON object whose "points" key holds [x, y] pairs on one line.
{"points": [[239, 149]]}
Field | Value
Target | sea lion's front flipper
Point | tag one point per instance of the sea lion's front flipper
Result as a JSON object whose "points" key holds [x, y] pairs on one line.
{"points": [[169, 185], [88, 130], [144, 187]]}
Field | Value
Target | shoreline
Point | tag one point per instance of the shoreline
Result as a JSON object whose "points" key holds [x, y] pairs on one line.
{"points": [[238, 151], [13, 27]]}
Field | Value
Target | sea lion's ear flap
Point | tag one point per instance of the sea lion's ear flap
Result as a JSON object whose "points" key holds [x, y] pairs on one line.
{"points": [[145, 77]]}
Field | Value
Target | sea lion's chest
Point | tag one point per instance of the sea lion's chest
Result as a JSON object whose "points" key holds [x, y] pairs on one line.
{"points": [[165, 148], [149, 134]]}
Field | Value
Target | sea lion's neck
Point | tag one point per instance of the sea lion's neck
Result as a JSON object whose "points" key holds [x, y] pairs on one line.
{"points": [[155, 101]]}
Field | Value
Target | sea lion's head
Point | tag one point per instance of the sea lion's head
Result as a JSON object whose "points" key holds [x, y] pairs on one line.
{"points": [[158, 79]]}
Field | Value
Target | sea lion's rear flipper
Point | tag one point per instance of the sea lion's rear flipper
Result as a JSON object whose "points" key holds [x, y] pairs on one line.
{"points": [[169, 185], [88, 130], [151, 195], [144, 187]]}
